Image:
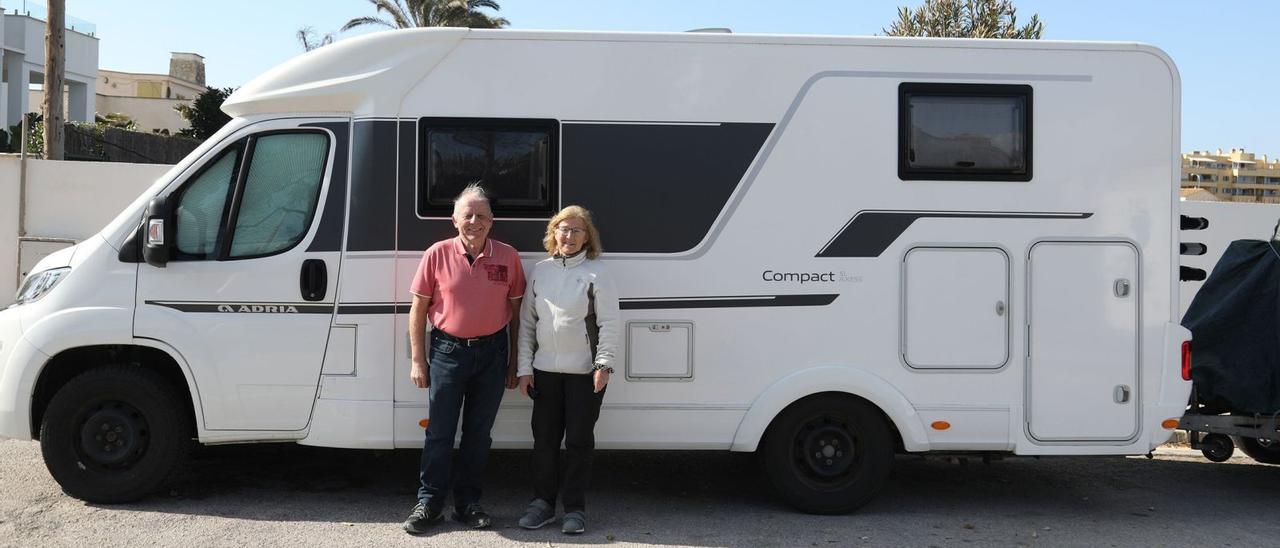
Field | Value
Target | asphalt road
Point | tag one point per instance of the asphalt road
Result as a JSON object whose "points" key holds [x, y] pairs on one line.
{"points": [[292, 495]]}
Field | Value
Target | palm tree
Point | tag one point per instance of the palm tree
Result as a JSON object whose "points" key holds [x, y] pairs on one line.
{"points": [[407, 14], [310, 40]]}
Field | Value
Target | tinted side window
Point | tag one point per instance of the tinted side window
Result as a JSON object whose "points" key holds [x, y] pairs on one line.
{"points": [[202, 207], [280, 193], [964, 132], [514, 160]]}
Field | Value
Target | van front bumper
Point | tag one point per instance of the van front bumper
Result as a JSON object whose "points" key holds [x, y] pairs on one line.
{"points": [[16, 357]]}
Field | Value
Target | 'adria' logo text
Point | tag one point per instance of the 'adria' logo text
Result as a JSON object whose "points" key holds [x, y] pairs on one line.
{"points": [[259, 308]]}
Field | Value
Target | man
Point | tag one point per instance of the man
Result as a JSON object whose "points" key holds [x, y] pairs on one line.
{"points": [[469, 287]]}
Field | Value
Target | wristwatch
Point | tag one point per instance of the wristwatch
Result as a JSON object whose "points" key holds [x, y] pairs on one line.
{"points": [[601, 367]]}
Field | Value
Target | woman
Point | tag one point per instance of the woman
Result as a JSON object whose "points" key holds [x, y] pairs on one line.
{"points": [[569, 337]]}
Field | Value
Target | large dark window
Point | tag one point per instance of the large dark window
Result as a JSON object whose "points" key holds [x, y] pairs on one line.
{"points": [[970, 132], [514, 160]]}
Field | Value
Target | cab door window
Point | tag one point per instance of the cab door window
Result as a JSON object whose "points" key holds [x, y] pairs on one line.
{"points": [[280, 193], [257, 198], [202, 205]]}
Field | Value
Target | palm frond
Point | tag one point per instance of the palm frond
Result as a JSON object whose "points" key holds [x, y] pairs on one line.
{"points": [[366, 21]]}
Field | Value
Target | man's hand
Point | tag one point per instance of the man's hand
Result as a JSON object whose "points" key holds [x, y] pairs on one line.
{"points": [[525, 383], [418, 373], [601, 379], [511, 378]]}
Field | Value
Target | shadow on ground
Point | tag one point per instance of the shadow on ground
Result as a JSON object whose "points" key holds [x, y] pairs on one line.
{"points": [[645, 496]]}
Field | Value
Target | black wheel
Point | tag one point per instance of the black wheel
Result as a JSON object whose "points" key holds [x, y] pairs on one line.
{"points": [[114, 434], [1266, 451], [828, 454], [1217, 447]]}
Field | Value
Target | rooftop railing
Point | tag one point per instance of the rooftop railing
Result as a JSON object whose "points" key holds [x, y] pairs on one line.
{"points": [[36, 10]]}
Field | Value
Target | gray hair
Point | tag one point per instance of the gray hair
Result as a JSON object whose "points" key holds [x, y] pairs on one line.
{"points": [[473, 192]]}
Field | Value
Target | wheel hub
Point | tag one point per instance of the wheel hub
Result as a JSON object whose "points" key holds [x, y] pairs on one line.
{"points": [[827, 448], [113, 435]]}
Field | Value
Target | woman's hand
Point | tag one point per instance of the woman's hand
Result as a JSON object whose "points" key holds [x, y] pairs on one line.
{"points": [[601, 379], [524, 383]]}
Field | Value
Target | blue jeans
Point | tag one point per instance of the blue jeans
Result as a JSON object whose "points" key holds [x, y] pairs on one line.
{"points": [[467, 382]]}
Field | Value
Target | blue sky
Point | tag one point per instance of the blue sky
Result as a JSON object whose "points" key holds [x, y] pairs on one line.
{"points": [[1227, 51]]}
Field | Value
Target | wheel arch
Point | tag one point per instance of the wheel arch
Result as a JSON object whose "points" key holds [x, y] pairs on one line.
{"points": [[900, 414], [148, 354]]}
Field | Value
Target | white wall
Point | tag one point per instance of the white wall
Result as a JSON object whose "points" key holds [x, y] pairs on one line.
{"points": [[64, 200], [8, 228]]}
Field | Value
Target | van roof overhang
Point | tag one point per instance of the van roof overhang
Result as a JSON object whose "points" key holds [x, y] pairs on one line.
{"points": [[361, 75]]}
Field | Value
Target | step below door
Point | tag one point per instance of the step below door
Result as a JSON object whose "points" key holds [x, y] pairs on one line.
{"points": [[1082, 366]]}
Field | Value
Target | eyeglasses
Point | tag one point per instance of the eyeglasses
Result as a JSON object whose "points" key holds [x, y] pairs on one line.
{"points": [[569, 231]]}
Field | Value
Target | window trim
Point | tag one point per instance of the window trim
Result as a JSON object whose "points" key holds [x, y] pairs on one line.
{"points": [[909, 89], [231, 210], [550, 125]]}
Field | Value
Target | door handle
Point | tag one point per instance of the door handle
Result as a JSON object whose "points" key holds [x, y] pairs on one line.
{"points": [[1121, 288], [1122, 394], [1000, 308], [314, 280]]}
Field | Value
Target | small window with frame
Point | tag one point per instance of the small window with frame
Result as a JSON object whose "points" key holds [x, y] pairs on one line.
{"points": [[964, 132], [514, 160]]}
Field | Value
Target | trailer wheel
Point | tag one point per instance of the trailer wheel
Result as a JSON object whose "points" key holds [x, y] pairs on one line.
{"points": [[114, 434], [1266, 451], [828, 454], [1217, 447]]}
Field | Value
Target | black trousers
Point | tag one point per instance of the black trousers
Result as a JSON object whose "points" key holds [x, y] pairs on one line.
{"points": [[567, 409]]}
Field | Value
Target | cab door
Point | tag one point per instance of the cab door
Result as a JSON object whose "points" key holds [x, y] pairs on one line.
{"points": [[247, 298]]}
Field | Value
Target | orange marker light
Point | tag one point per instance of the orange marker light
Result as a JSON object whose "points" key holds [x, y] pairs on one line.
{"points": [[1169, 424], [423, 422], [940, 425]]}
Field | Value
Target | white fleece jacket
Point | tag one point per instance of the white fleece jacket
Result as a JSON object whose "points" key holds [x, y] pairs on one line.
{"points": [[569, 317]]}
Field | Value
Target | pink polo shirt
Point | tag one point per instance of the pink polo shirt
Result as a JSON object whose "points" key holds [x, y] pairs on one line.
{"points": [[469, 299]]}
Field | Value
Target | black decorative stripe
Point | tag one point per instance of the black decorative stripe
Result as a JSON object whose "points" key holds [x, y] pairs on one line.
{"points": [[373, 308], [869, 233], [655, 188], [625, 304], [749, 301], [244, 308], [329, 235], [373, 186]]}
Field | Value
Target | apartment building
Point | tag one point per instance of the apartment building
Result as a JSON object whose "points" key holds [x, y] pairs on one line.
{"points": [[1235, 176], [22, 58]]}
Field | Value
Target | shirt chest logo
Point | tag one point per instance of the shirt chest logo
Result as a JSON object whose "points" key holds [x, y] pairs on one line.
{"points": [[496, 272]]}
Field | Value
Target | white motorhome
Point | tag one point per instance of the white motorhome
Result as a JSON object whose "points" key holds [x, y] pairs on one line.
{"points": [[827, 248]]}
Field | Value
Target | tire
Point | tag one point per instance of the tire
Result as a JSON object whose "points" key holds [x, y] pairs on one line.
{"points": [[1217, 447], [828, 454], [1262, 450], [115, 434]]}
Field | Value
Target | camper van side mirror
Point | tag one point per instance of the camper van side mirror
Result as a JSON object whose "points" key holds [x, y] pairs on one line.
{"points": [[157, 231]]}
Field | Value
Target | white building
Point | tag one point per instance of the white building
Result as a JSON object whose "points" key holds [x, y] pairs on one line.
{"points": [[22, 30]]}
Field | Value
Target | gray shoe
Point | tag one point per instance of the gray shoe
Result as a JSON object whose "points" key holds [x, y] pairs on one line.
{"points": [[575, 523], [539, 513]]}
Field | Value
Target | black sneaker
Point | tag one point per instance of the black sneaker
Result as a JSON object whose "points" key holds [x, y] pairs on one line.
{"points": [[473, 515], [421, 519]]}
